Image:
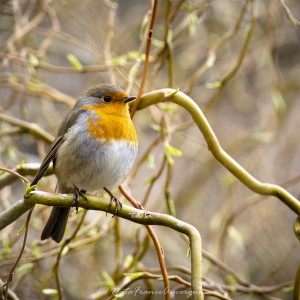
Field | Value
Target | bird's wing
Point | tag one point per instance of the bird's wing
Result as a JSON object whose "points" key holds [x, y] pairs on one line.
{"points": [[67, 123], [47, 160]]}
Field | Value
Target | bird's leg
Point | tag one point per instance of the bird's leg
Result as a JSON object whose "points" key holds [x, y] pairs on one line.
{"points": [[76, 194], [113, 198]]}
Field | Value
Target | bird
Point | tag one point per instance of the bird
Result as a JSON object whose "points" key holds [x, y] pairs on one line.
{"points": [[95, 148]]}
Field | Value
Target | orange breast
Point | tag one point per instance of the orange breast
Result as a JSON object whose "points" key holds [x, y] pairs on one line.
{"points": [[114, 123]]}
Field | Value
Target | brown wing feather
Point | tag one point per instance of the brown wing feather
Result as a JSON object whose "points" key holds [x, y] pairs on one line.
{"points": [[68, 122], [47, 160]]}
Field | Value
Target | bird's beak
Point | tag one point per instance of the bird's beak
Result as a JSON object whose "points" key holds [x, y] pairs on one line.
{"points": [[129, 98]]}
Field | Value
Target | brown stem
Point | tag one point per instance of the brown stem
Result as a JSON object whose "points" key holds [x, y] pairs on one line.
{"points": [[146, 65], [155, 240]]}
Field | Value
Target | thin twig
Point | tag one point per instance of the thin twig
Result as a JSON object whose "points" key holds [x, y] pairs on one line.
{"points": [[61, 69], [289, 14], [24, 169], [146, 64], [11, 272], [167, 191], [112, 6], [31, 128], [211, 55], [145, 155], [238, 63], [156, 242], [58, 259], [16, 174], [153, 179]]}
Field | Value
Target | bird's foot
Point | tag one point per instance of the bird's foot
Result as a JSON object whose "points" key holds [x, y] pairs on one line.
{"points": [[113, 198], [76, 194]]}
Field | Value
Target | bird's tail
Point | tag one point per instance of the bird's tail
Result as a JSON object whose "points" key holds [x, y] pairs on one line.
{"points": [[57, 222]]}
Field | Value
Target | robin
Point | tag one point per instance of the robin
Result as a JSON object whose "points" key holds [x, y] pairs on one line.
{"points": [[95, 147]]}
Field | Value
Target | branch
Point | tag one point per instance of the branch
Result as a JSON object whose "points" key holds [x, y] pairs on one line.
{"points": [[31, 128], [238, 63], [13, 213], [131, 214], [12, 270], [212, 53], [297, 284], [289, 14], [146, 65], [158, 247], [24, 169], [36, 88], [11, 295], [61, 69], [175, 96]]}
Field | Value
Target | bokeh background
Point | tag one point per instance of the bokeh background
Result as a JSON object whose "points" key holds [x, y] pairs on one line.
{"points": [[239, 61]]}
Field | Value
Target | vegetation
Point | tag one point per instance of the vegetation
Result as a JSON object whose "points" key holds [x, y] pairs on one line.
{"points": [[218, 167]]}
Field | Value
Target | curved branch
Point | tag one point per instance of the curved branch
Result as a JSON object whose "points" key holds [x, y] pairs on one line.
{"points": [[175, 96], [134, 215]]}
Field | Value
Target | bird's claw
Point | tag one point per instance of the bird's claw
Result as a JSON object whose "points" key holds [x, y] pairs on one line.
{"points": [[77, 193], [114, 199]]}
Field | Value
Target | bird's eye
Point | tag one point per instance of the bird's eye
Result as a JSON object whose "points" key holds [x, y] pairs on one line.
{"points": [[106, 98]]}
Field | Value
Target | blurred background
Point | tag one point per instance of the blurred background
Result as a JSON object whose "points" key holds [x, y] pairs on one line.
{"points": [[239, 61]]}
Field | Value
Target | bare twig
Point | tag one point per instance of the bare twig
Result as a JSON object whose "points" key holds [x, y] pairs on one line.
{"points": [[156, 242], [31, 128], [237, 65], [146, 64], [289, 14], [11, 272], [16, 174], [24, 169], [211, 56], [112, 6], [61, 69], [58, 258], [153, 179], [297, 284]]}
